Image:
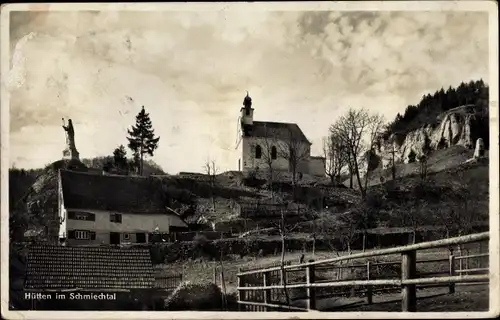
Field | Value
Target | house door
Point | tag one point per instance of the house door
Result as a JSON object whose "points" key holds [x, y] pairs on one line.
{"points": [[114, 238]]}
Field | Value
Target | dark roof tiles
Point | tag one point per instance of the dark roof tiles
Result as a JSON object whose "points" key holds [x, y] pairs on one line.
{"points": [[278, 130], [112, 193], [58, 267]]}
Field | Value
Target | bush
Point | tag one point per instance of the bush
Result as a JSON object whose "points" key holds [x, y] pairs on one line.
{"points": [[412, 156], [196, 297], [441, 144]]}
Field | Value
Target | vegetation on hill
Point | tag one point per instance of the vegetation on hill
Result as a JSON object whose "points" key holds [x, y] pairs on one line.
{"points": [[107, 163], [411, 200], [39, 187], [430, 106]]}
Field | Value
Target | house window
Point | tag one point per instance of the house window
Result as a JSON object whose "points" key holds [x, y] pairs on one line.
{"points": [[115, 217], [140, 237], [81, 235], [258, 152], [126, 236], [81, 216], [274, 153]]}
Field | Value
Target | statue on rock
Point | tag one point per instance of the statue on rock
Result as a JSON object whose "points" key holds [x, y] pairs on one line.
{"points": [[247, 102], [70, 151]]}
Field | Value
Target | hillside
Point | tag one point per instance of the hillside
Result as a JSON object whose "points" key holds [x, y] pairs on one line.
{"points": [[31, 192], [428, 110], [455, 117], [439, 160], [449, 121]]}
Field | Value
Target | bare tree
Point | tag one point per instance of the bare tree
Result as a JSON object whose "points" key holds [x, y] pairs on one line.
{"points": [[222, 276], [269, 155], [284, 229], [351, 128], [375, 127], [211, 171], [295, 150], [426, 151], [341, 226], [413, 217], [350, 166], [335, 157]]}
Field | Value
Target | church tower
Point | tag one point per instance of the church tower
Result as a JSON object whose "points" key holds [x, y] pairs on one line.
{"points": [[246, 115]]}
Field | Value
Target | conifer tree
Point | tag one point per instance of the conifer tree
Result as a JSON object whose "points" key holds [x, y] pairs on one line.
{"points": [[142, 140]]}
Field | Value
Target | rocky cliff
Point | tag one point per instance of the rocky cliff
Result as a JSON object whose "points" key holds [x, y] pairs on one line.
{"points": [[459, 126]]}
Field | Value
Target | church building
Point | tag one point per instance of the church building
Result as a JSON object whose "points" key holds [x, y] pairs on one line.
{"points": [[281, 145]]}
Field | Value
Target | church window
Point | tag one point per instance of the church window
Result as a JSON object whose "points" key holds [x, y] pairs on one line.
{"points": [[274, 153], [247, 111], [258, 152]]}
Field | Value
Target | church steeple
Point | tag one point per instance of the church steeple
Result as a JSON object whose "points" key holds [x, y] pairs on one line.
{"points": [[246, 115]]}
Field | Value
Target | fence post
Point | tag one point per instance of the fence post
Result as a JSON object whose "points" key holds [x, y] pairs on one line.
{"points": [[408, 270], [466, 261], [267, 292], [452, 272], [460, 261], [215, 275], [239, 283], [480, 252], [369, 297], [311, 295]]}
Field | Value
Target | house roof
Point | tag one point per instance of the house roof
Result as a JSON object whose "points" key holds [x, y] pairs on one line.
{"points": [[278, 130], [112, 193], [59, 267]]}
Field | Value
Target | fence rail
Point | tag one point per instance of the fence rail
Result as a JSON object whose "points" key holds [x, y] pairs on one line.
{"points": [[256, 287]]}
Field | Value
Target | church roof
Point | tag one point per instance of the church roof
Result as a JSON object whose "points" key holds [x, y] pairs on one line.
{"points": [[278, 130], [60, 267], [112, 193]]}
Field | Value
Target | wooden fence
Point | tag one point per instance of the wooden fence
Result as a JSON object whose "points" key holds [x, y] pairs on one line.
{"points": [[269, 289], [168, 281]]}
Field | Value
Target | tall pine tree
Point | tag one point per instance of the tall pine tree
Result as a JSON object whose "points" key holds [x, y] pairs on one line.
{"points": [[142, 140]]}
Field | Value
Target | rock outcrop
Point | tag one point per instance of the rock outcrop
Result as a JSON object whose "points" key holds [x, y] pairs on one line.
{"points": [[41, 200], [459, 126]]}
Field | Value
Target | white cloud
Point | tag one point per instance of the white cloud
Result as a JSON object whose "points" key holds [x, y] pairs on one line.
{"points": [[190, 70]]}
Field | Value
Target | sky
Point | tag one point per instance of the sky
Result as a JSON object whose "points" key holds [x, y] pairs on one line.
{"points": [[191, 70]]}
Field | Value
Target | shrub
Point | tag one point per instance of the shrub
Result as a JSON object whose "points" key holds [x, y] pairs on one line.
{"points": [[412, 156], [441, 143], [196, 297]]}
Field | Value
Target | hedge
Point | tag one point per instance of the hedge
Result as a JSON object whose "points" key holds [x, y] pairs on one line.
{"points": [[201, 247]]}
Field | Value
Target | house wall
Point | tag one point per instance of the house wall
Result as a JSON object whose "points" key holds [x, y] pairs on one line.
{"points": [[61, 211], [317, 167], [248, 147], [131, 224]]}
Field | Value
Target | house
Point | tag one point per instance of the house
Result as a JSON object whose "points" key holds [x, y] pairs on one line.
{"points": [[112, 209], [89, 278], [282, 145]]}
